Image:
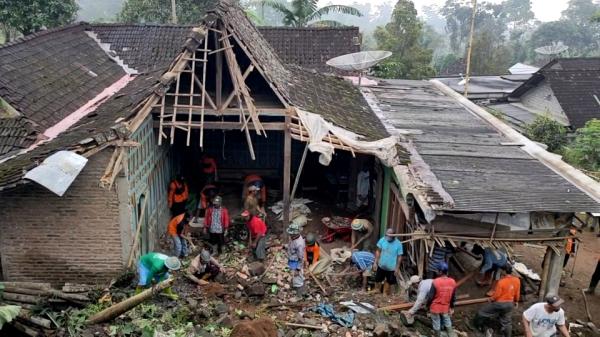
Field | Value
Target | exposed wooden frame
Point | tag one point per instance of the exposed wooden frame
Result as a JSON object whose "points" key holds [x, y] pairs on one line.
{"points": [[212, 125]]}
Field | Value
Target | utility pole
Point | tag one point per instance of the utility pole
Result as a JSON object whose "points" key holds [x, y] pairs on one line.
{"points": [[470, 49], [173, 12]]}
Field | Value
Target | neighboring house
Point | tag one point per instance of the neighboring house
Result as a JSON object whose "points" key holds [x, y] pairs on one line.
{"points": [[566, 89], [485, 88], [117, 94], [471, 177]]}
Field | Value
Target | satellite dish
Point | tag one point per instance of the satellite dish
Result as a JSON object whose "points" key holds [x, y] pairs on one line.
{"points": [[359, 61], [553, 49]]}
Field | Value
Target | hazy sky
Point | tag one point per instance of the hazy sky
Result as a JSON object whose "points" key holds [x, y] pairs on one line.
{"points": [[545, 10]]}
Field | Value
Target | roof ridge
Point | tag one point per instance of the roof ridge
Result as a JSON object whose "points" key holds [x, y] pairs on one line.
{"points": [[308, 28], [124, 24], [43, 32]]}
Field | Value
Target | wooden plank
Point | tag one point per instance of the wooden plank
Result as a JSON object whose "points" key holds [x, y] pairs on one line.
{"points": [[219, 73], [203, 103], [191, 97], [403, 306], [287, 164]]}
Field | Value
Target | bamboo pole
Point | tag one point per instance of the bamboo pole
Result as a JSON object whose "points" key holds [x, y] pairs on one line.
{"points": [[138, 229], [203, 101], [299, 173], [470, 50], [191, 98], [402, 306], [174, 117], [128, 304]]}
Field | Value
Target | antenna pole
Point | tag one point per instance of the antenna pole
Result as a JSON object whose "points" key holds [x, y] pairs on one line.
{"points": [[173, 12], [468, 77]]}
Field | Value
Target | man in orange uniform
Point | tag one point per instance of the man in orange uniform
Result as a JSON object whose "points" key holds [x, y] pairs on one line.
{"points": [[178, 195], [441, 300], [176, 230], [505, 297], [312, 251]]}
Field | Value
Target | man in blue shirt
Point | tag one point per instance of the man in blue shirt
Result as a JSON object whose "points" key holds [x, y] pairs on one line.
{"points": [[387, 261]]}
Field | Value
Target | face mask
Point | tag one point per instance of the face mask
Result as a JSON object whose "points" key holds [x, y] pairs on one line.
{"points": [[390, 238]]}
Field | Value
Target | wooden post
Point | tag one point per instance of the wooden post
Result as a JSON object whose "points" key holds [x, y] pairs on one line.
{"points": [[555, 271], [287, 164], [299, 172], [545, 270], [173, 12], [219, 73], [137, 234]]}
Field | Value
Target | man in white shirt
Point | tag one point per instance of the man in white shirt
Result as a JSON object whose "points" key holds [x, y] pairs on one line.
{"points": [[424, 286], [542, 319]]}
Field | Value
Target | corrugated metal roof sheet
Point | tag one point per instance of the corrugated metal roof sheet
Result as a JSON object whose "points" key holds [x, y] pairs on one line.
{"points": [[475, 164]]}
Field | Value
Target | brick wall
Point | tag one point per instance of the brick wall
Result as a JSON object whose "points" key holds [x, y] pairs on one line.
{"points": [[74, 238]]}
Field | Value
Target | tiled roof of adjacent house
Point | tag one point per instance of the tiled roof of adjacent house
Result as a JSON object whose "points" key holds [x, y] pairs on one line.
{"points": [[476, 165], [576, 85], [311, 47]]}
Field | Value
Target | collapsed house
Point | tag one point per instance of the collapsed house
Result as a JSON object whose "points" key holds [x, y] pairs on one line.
{"points": [[104, 116]]}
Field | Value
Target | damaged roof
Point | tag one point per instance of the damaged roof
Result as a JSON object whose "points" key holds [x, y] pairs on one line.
{"points": [[49, 76], [575, 83], [478, 168]]}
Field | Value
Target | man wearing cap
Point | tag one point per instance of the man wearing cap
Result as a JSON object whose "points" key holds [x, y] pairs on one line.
{"points": [[542, 319], [505, 297], [362, 230], [259, 188], [387, 261], [257, 235], [216, 223], [423, 287], [364, 262], [312, 251], [441, 300], [295, 251], [155, 267], [204, 266]]}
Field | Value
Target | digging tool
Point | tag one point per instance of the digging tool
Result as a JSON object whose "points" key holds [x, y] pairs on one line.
{"points": [[318, 283]]}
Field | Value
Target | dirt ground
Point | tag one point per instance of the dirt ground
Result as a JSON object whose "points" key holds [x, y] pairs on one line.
{"points": [[589, 250]]}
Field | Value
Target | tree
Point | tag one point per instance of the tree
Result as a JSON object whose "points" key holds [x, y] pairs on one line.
{"points": [[584, 152], [402, 36], [26, 17], [304, 13], [547, 131], [489, 56], [159, 11]]}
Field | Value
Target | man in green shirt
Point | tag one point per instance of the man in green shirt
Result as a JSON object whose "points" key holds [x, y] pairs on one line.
{"points": [[155, 267]]}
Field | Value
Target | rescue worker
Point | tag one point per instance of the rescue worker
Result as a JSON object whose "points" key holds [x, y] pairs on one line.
{"points": [[423, 288], [208, 193], [257, 231], [204, 266], [295, 250], [492, 261], [571, 245], [216, 224], [362, 230], [595, 278], [505, 297], [256, 181], [178, 195], [312, 251], [176, 229], [542, 319], [364, 262], [388, 258], [252, 203], [209, 169], [441, 301], [155, 267]]}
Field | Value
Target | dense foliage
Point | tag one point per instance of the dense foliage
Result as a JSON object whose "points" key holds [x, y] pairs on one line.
{"points": [[303, 13], [159, 11], [546, 130], [402, 36], [584, 151], [25, 17]]}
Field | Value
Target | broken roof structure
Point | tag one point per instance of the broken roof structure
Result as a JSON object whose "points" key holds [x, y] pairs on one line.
{"points": [[464, 160], [88, 104], [568, 89]]}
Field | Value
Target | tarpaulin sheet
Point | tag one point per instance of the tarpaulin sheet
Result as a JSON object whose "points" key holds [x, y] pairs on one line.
{"points": [[318, 128]]}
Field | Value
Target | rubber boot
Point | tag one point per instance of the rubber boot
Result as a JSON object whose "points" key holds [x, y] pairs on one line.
{"points": [[170, 294], [386, 288], [450, 332]]}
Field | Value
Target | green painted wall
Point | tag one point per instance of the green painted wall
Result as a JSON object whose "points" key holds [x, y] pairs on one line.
{"points": [[385, 199]]}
